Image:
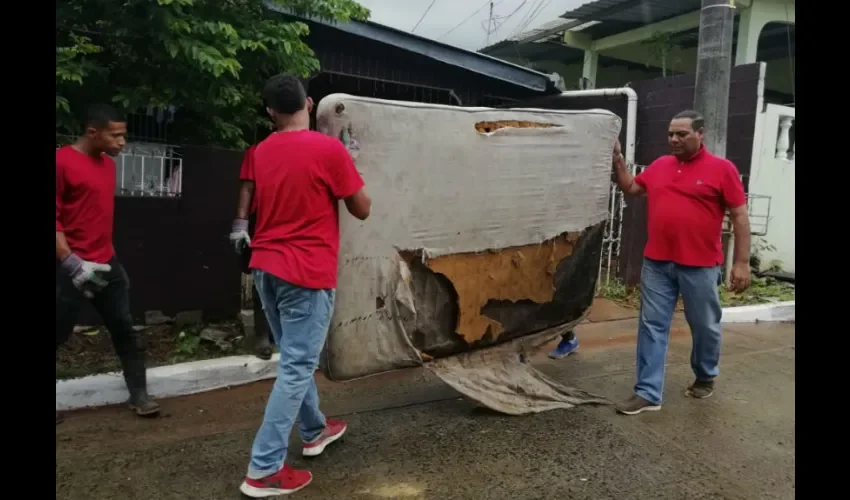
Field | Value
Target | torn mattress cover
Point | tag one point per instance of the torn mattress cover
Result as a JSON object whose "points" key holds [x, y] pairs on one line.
{"points": [[486, 226]]}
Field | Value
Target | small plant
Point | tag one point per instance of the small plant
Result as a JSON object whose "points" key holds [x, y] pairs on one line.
{"points": [[758, 248], [662, 47], [187, 345], [616, 291]]}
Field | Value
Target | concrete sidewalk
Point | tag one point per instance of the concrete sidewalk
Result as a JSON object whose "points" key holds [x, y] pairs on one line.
{"points": [[411, 437]]}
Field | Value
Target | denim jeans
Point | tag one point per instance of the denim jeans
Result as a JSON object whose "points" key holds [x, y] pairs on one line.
{"points": [[661, 283], [298, 319]]}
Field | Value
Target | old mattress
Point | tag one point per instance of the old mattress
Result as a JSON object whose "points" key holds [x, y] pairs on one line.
{"points": [[486, 227]]}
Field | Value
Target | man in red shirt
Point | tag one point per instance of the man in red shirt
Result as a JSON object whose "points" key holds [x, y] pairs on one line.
{"points": [[300, 176], [240, 236], [688, 193], [86, 266]]}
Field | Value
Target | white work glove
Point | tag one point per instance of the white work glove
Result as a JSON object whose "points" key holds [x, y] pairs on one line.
{"points": [[239, 235], [83, 274]]}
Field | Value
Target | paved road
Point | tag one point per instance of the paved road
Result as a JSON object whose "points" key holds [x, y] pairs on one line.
{"points": [[411, 438]]}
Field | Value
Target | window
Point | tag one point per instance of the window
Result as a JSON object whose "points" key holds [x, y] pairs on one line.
{"points": [[149, 169]]}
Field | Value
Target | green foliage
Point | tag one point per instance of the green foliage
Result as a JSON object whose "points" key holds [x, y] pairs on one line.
{"points": [[208, 58], [761, 291], [187, 345]]}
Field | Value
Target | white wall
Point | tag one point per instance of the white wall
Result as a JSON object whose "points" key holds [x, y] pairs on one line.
{"points": [[773, 174]]}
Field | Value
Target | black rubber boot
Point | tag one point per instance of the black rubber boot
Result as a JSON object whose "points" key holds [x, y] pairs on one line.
{"points": [[135, 375], [262, 340]]}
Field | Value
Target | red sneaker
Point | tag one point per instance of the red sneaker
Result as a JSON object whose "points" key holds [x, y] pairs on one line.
{"points": [[334, 429], [287, 480]]}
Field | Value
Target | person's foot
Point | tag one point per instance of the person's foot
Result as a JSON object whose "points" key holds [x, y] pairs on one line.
{"points": [[287, 480], [700, 389], [143, 405], [263, 352], [565, 348], [59, 418], [334, 429], [635, 405]]}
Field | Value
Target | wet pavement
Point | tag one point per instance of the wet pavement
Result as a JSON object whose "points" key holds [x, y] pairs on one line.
{"points": [[410, 437]]}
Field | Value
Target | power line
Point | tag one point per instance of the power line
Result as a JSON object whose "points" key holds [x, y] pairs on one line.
{"points": [[423, 15], [531, 9], [540, 8], [458, 25], [499, 21]]}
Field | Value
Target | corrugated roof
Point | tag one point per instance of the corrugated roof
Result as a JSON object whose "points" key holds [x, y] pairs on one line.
{"points": [[632, 11]]}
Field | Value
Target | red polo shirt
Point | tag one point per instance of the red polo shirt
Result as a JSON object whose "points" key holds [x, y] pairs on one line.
{"points": [[686, 204], [299, 179], [246, 172], [85, 203]]}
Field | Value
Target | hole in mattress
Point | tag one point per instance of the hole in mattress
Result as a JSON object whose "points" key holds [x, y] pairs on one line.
{"points": [[488, 127]]}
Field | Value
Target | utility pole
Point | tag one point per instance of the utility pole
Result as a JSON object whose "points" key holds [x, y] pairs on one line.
{"points": [[711, 91], [489, 24], [714, 68]]}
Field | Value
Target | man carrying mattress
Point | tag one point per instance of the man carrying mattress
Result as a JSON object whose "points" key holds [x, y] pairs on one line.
{"points": [[688, 193], [299, 178]]}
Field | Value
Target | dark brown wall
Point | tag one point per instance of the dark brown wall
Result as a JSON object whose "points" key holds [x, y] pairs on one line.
{"points": [[176, 251]]}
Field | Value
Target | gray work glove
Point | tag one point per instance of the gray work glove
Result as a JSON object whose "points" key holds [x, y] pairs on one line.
{"points": [[83, 274], [239, 235]]}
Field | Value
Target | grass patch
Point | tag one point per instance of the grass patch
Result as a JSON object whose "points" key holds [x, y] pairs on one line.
{"points": [[761, 291]]}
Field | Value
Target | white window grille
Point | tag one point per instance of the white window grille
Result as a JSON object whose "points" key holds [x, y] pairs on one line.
{"points": [[150, 170], [758, 207]]}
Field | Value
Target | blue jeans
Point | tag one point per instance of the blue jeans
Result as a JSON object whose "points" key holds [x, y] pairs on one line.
{"points": [[298, 319], [661, 283]]}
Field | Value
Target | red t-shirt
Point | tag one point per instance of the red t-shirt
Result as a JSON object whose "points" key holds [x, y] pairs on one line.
{"points": [[686, 205], [299, 179], [246, 172], [85, 203]]}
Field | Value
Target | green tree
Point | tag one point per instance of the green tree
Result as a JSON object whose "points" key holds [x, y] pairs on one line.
{"points": [[208, 58]]}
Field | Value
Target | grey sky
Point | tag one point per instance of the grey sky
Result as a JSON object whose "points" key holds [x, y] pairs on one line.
{"points": [[472, 34]]}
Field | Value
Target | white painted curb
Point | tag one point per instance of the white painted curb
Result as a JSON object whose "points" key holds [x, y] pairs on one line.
{"points": [[780, 311], [207, 375], [166, 381]]}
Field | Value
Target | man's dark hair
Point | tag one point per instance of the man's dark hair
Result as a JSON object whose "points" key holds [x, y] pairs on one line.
{"points": [[697, 120], [98, 116], [285, 94]]}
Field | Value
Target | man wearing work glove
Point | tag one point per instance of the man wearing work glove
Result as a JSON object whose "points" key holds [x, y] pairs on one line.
{"points": [[240, 237], [86, 266]]}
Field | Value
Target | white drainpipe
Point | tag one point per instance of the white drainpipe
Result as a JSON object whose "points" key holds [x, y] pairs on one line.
{"points": [[629, 153]]}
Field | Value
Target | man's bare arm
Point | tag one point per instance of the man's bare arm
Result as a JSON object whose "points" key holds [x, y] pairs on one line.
{"points": [[740, 219], [62, 248], [625, 180], [246, 194], [359, 204]]}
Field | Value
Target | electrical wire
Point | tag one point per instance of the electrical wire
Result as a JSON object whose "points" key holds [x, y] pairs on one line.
{"points": [[458, 25], [423, 15]]}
